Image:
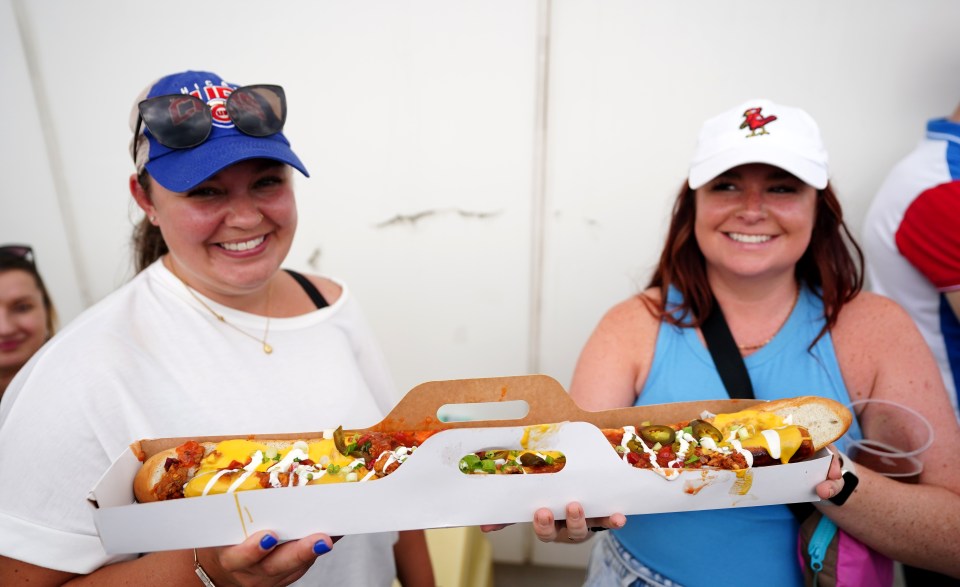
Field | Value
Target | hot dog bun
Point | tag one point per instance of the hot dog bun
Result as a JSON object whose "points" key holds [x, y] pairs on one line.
{"points": [[825, 419], [239, 464], [188, 459], [153, 469]]}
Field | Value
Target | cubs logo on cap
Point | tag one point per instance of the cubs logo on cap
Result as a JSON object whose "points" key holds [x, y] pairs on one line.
{"points": [[180, 170]]}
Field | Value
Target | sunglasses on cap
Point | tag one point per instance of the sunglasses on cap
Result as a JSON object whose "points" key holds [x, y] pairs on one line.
{"points": [[182, 121], [17, 252]]}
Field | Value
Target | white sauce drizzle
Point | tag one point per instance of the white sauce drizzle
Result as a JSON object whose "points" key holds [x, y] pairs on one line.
{"points": [[401, 454], [685, 440], [248, 470], [296, 453], [214, 477], [629, 433], [773, 442], [746, 453]]}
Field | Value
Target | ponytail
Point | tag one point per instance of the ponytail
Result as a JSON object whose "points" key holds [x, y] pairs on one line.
{"points": [[148, 243]]}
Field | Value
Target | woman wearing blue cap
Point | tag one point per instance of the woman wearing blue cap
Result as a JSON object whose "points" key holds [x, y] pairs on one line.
{"points": [[210, 338], [758, 233]]}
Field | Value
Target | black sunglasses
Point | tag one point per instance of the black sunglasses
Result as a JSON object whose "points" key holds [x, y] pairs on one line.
{"points": [[182, 121], [18, 252]]}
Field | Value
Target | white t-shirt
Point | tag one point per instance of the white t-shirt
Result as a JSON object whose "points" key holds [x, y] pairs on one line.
{"points": [[149, 362], [911, 237]]}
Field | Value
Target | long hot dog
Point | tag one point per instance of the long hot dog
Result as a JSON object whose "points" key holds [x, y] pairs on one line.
{"points": [[203, 468], [781, 431]]}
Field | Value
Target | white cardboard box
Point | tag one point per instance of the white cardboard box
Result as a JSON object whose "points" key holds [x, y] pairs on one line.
{"points": [[429, 491]]}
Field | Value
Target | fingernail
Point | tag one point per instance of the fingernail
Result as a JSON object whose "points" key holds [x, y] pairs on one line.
{"points": [[268, 542], [543, 519], [320, 548]]}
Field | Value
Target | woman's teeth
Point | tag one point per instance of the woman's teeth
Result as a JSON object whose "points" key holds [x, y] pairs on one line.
{"points": [[749, 238], [244, 245]]}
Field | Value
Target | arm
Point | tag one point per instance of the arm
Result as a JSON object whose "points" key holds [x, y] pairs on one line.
{"points": [[249, 563], [413, 560], [612, 367], [614, 363], [882, 355]]}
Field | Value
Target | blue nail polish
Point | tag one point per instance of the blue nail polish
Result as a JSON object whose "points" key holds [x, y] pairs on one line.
{"points": [[320, 548], [268, 542]]}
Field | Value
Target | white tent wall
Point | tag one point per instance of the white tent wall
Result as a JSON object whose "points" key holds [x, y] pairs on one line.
{"points": [[489, 177]]}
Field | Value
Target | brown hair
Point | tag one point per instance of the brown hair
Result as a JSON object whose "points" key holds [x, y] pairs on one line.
{"points": [[148, 243], [832, 265], [11, 263]]}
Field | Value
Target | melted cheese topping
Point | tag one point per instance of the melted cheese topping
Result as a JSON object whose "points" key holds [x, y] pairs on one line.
{"points": [[781, 443], [535, 434], [214, 476], [753, 420]]}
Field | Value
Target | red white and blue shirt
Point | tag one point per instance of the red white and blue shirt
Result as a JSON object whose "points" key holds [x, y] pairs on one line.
{"points": [[912, 239]]}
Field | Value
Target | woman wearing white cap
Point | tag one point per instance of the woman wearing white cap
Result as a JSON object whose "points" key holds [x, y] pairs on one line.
{"points": [[210, 338], [758, 233]]}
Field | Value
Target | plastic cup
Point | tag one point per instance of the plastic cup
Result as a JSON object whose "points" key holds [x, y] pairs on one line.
{"points": [[895, 435]]}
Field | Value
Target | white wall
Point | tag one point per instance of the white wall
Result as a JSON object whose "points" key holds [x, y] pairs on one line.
{"points": [[400, 108]]}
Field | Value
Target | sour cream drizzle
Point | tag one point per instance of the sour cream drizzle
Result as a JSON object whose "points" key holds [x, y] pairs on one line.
{"points": [[214, 477], [248, 470], [773, 442], [398, 455], [295, 454]]}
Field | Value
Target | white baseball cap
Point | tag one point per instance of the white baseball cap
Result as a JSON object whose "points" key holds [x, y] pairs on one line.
{"points": [[760, 131]]}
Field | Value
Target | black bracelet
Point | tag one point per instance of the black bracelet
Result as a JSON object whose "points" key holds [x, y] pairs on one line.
{"points": [[597, 529]]}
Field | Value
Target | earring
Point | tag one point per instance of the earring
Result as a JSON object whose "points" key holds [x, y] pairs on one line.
{"points": [[260, 219], [153, 219]]}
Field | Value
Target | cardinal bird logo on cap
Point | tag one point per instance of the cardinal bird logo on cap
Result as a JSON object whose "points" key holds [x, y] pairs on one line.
{"points": [[756, 122]]}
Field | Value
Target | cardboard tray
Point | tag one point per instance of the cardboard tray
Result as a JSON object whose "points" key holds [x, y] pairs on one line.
{"points": [[429, 491]]}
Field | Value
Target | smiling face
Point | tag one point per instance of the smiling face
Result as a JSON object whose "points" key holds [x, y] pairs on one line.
{"points": [[754, 221], [23, 319], [228, 235]]}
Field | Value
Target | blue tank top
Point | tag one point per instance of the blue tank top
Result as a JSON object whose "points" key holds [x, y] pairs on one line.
{"points": [[765, 538]]}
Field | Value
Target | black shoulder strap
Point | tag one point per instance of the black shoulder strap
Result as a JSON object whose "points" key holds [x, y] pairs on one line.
{"points": [[726, 355], [733, 372], [318, 300]]}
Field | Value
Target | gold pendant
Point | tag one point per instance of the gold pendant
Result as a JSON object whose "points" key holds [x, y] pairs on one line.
{"points": [[267, 348]]}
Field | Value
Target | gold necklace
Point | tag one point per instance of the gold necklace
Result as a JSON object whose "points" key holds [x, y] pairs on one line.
{"points": [[753, 347], [267, 349]]}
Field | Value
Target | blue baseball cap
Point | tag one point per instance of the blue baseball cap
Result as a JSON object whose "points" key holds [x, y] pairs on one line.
{"points": [[180, 170]]}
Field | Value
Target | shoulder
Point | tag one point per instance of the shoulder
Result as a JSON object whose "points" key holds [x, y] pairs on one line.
{"points": [[874, 340], [638, 310], [870, 316], [632, 323], [615, 361], [331, 289]]}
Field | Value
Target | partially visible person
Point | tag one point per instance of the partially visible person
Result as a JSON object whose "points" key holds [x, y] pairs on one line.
{"points": [[758, 233], [211, 337], [27, 315], [911, 235]]}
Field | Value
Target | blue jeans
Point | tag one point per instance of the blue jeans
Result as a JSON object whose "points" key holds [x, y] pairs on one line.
{"points": [[612, 566]]}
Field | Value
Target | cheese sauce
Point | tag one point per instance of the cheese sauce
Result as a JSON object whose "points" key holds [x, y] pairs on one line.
{"points": [[215, 475]]}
